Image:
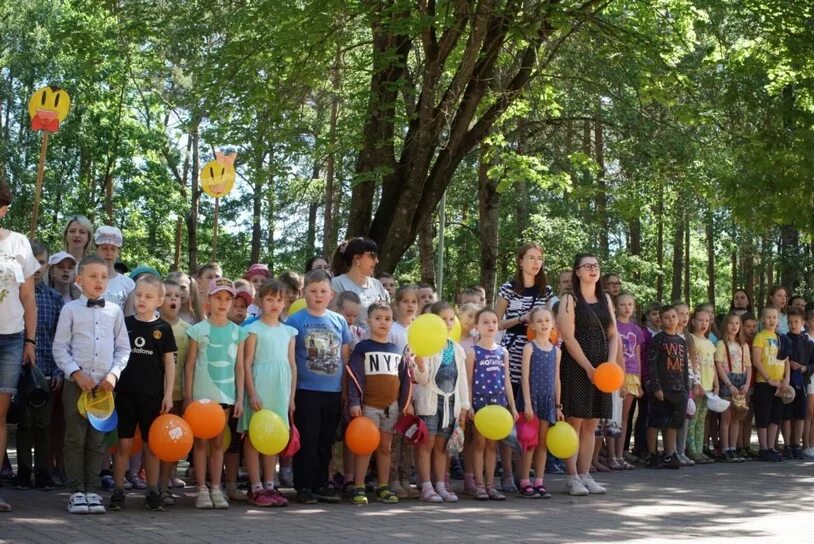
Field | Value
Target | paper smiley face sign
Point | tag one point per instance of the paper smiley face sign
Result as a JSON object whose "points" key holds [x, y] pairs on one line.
{"points": [[48, 107], [218, 176]]}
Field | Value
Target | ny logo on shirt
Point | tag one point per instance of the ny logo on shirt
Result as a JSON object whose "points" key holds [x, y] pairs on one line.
{"points": [[382, 363]]}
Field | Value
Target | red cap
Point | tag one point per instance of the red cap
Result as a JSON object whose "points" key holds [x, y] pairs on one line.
{"points": [[246, 296]]}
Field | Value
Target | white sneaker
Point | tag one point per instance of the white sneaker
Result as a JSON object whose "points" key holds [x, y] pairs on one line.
{"points": [[95, 505], [219, 500], [685, 461], [808, 454], [575, 487], [592, 487], [203, 501], [78, 504]]}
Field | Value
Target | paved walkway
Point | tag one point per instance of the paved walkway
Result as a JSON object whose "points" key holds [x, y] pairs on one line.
{"points": [[753, 502]]}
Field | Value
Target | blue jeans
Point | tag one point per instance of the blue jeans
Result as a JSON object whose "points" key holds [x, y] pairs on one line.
{"points": [[11, 361]]}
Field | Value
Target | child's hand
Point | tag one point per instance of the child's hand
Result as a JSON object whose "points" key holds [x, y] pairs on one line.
{"points": [[408, 410], [83, 381], [462, 417], [515, 415], [55, 382], [355, 411], [470, 415], [795, 365], [108, 383], [529, 413], [696, 391], [419, 363], [255, 403], [715, 390], [659, 395], [774, 383], [640, 394], [560, 416], [166, 404], [733, 389], [744, 390], [623, 391], [237, 410]]}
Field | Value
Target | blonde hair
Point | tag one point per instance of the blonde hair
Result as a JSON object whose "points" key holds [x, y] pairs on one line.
{"points": [[193, 302], [85, 223]]}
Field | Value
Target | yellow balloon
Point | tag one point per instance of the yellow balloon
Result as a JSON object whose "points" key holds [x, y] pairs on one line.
{"points": [[561, 440], [494, 422], [268, 432], [427, 335], [455, 333], [48, 107], [296, 306], [218, 176]]}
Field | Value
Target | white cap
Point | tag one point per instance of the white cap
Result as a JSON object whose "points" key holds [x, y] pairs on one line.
{"points": [[108, 235], [57, 258]]}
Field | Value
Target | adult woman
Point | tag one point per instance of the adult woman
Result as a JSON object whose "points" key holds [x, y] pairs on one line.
{"points": [[515, 300], [77, 236], [741, 303], [317, 262], [587, 326], [778, 298], [354, 264], [612, 284], [18, 307]]}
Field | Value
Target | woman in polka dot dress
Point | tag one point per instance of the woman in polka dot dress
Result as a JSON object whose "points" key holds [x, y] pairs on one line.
{"points": [[487, 366]]}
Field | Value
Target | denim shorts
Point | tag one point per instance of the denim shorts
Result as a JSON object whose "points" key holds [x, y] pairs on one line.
{"points": [[11, 361]]}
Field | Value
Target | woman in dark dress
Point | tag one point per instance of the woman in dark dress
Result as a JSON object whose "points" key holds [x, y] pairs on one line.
{"points": [[587, 326]]}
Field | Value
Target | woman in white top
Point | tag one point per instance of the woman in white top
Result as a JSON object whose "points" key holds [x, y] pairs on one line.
{"points": [[18, 308], [354, 264]]}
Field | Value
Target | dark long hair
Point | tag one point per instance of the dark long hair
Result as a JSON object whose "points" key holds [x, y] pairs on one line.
{"points": [[748, 300], [347, 250], [540, 280], [575, 287]]}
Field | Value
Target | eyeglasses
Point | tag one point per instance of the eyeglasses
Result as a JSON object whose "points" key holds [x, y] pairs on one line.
{"points": [[613, 283], [589, 266], [372, 254], [534, 259]]}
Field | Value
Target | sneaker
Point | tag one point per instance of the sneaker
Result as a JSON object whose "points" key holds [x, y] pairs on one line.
{"points": [[447, 495], [456, 469], [385, 495], [108, 484], [95, 505], [277, 498], [788, 452], [591, 485], [399, 490], [236, 494], [204, 500], [178, 483], [698, 458], [328, 495], [551, 466], [22, 481], [261, 497], [654, 461], [671, 461], [286, 478], [575, 487], [685, 461], [219, 501], [797, 452], [777, 455], [808, 454], [152, 500], [306, 496], [359, 496], [769, 456], [116, 502], [43, 482], [59, 478], [507, 485], [78, 504], [138, 483], [167, 498]]}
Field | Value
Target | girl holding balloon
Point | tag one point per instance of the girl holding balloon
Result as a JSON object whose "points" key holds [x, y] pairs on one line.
{"points": [[271, 379], [540, 400], [587, 326], [487, 367]]}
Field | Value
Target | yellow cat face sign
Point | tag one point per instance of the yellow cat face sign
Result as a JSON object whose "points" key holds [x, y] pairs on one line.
{"points": [[48, 107], [218, 176]]}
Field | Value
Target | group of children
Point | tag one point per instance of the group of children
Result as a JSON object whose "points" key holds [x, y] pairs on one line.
{"points": [[345, 355]]}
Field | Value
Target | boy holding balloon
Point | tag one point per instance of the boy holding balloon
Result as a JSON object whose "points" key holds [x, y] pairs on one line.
{"points": [[379, 386], [145, 388]]}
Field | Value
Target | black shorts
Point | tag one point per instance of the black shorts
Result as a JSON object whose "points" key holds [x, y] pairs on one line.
{"points": [[668, 413], [136, 410], [768, 407], [798, 408]]}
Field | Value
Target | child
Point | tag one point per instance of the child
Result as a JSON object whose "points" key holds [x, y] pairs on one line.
{"points": [[145, 388], [694, 385], [734, 364], [406, 301], [348, 305], [240, 306], [214, 371], [190, 310], [35, 422], [256, 274], [749, 326], [207, 273], [668, 378], [271, 379], [703, 351], [441, 398], [170, 312], [487, 367], [293, 288], [772, 375], [321, 353], [808, 453], [426, 295], [467, 318], [62, 275], [379, 389], [540, 382], [388, 281], [109, 242], [632, 337], [91, 348], [794, 413]]}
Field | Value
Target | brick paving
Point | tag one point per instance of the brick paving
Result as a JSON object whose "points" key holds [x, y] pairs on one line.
{"points": [[753, 502]]}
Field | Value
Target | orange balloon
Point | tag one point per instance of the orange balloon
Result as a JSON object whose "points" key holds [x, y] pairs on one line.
{"points": [[362, 436], [206, 418], [170, 438], [554, 337], [608, 377], [530, 334]]}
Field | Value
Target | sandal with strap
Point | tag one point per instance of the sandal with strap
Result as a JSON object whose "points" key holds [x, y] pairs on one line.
{"points": [[494, 494], [528, 492], [542, 492], [480, 493], [429, 495], [616, 464]]}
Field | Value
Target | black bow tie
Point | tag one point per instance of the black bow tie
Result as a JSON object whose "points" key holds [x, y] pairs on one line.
{"points": [[99, 302]]}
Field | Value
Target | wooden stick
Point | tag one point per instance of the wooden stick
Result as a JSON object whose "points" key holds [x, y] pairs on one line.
{"points": [[215, 233], [38, 190]]}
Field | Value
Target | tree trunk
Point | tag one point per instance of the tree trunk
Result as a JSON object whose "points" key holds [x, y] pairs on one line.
{"points": [[687, 284], [635, 244], [313, 207], [660, 244], [790, 254], [426, 253], [521, 194], [195, 197], [270, 209], [488, 220], [747, 266], [257, 204], [710, 235], [328, 231], [678, 253], [601, 190]]}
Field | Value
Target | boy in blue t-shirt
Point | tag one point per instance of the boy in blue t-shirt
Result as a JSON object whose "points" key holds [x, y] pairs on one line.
{"points": [[322, 350]]}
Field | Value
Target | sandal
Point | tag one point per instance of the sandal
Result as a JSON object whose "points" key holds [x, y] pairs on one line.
{"points": [[480, 493], [600, 467], [494, 494], [615, 464], [542, 492], [528, 492], [429, 495], [507, 485], [628, 466]]}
